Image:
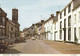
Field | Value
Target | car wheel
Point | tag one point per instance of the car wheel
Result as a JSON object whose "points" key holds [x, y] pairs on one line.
{"points": [[2, 50]]}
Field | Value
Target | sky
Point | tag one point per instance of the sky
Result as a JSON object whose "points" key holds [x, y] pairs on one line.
{"points": [[32, 11]]}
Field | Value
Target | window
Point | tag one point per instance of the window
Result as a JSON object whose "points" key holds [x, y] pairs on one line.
{"points": [[51, 27], [8, 29], [75, 18], [3, 32], [11, 28], [34, 31], [29, 31], [44, 29], [60, 34], [79, 31], [55, 26], [64, 23], [79, 16], [61, 25], [31, 28], [69, 21], [1, 21], [69, 8], [0, 11], [69, 33], [0, 32], [65, 12], [47, 28], [60, 15]]}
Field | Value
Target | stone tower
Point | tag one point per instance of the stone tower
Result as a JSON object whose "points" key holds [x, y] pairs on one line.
{"points": [[15, 15]]}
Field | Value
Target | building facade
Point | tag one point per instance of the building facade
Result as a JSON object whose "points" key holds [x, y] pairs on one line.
{"points": [[29, 32], [11, 29], [3, 20], [8, 27], [68, 20], [48, 27], [76, 21], [55, 27]]}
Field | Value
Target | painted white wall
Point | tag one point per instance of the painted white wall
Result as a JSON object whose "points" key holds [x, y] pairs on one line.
{"points": [[62, 19], [76, 23], [48, 28]]}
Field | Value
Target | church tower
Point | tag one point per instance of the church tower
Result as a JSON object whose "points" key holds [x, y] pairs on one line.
{"points": [[15, 15]]}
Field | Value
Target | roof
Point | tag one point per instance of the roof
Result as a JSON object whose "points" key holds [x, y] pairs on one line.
{"points": [[11, 22], [55, 19], [50, 18], [76, 4], [3, 12], [66, 7]]}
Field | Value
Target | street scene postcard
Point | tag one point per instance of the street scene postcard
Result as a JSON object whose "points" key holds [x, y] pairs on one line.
{"points": [[39, 27]]}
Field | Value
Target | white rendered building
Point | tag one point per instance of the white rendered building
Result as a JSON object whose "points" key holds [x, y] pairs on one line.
{"points": [[68, 19], [48, 28]]}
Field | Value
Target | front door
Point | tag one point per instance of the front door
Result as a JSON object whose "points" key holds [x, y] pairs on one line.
{"points": [[64, 34], [75, 34]]}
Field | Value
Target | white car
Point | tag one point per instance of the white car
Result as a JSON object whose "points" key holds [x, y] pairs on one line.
{"points": [[33, 38]]}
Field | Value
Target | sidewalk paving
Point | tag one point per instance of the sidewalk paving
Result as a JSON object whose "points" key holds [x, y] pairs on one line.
{"points": [[65, 48], [47, 49]]}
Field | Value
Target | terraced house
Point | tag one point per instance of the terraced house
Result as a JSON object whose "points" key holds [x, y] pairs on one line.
{"points": [[68, 20], [65, 26], [55, 27], [48, 27]]}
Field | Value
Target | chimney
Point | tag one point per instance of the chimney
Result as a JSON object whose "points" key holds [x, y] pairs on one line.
{"points": [[52, 15], [33, 25], [42, 21], [57, 12]]}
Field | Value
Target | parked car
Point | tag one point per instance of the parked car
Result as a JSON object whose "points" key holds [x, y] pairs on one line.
{"points": [[3, 38], [17, 40], [3, 45], [21, 38], [33, 38], [10, 41]]}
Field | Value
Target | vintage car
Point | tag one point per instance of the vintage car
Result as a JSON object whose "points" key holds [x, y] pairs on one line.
{"points": [[33, 38], [3, 45], [10, 41]]}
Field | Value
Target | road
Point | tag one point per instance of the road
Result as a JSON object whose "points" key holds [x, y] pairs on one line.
{"points": [[31, 47]]}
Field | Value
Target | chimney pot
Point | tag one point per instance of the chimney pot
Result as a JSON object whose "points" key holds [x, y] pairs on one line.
{"points": [[52, 15], [57, 12]]}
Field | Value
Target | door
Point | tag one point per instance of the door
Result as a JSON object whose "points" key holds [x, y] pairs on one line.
{"points": [[64, 34], [75, 34]]}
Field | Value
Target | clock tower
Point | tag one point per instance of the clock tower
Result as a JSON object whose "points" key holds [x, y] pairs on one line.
{"points": [[15, 15]]}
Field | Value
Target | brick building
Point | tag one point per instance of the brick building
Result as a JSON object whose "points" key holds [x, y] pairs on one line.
{"points": [[8, 27], [3, 20]]}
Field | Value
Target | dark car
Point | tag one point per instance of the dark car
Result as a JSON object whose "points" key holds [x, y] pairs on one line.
{"points": [[4, 38], [17, 40], [10, 41], [3, 46]]}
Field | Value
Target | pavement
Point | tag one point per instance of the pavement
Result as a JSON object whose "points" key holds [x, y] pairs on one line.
{"points": [[65, 48], [31, 47]]}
